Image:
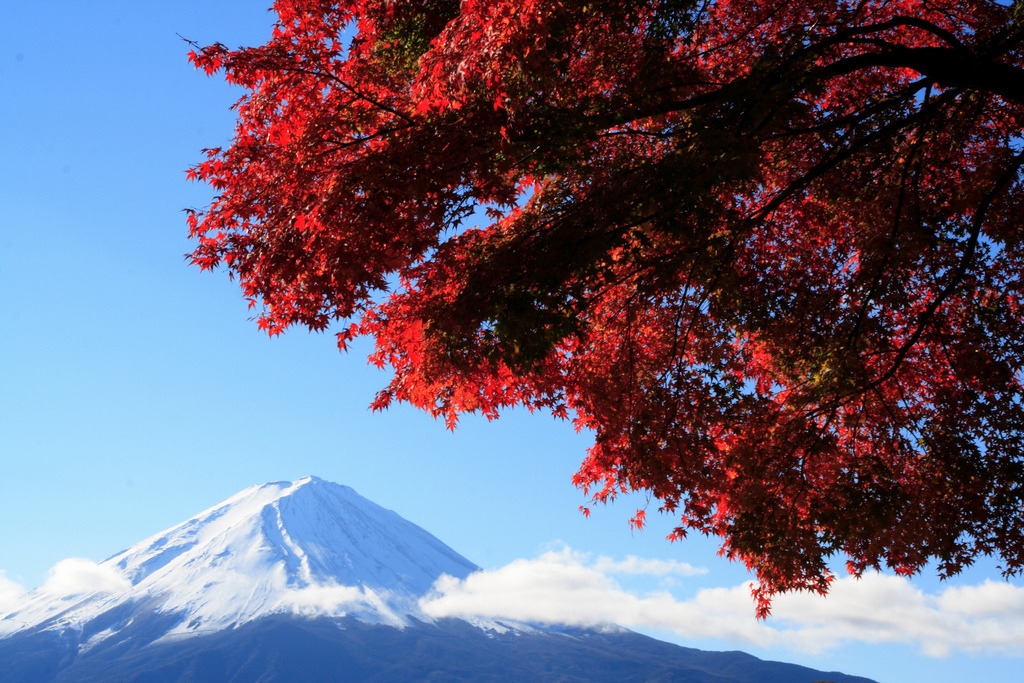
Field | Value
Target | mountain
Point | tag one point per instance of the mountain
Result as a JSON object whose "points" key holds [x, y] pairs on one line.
{"points": [[308, 581]]}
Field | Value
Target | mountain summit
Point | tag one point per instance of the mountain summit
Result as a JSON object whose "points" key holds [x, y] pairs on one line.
{"points": [[309, 581]]}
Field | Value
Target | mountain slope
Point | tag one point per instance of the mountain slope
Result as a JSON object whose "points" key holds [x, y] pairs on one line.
{"points": [[284, 648]]}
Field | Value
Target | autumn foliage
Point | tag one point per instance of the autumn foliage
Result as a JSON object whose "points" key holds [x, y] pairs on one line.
{"points": [[769, 252]]}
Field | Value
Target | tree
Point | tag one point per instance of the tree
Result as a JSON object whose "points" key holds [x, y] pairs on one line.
{"points": [[769, 252]]}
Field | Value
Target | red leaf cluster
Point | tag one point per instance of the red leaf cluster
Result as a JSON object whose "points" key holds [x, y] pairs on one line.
{"points": [[769, 252]]}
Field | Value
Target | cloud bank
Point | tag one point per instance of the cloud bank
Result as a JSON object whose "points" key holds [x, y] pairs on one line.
{"points": [[568, 587], [564, 587]]}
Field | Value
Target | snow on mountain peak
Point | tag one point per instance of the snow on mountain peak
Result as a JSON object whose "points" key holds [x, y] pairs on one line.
{"points": [[309, 547]]}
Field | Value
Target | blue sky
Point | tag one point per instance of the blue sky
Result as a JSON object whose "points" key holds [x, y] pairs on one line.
{"points": [[135, 391]]}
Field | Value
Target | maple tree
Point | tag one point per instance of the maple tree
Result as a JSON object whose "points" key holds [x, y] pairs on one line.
{"points": [[769, 252]]}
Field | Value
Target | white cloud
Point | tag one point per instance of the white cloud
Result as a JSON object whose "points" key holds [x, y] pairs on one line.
{"points": [[334, 600], [560, 587], [989, 599], [77, 575], [986, 617], [637, 565], [319, 600], [11, 593]]}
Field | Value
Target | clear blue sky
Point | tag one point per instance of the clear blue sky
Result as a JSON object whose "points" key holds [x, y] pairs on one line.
{"points": [[135, 391]]}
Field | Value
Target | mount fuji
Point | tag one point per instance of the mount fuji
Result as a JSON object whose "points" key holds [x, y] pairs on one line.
{"points": [[309, 581]]}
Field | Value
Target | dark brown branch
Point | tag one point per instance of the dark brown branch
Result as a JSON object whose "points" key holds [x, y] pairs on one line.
{"points": [[947, 67]]}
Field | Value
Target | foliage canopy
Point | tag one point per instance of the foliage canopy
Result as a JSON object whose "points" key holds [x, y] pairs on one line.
{"points": [[770, 252]]}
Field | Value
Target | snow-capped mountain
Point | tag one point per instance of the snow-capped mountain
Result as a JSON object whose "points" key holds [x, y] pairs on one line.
{"points": [[308, 547], [308, 580]]}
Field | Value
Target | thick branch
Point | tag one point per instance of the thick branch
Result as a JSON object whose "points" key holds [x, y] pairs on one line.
{"points": [[946, 67]]}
